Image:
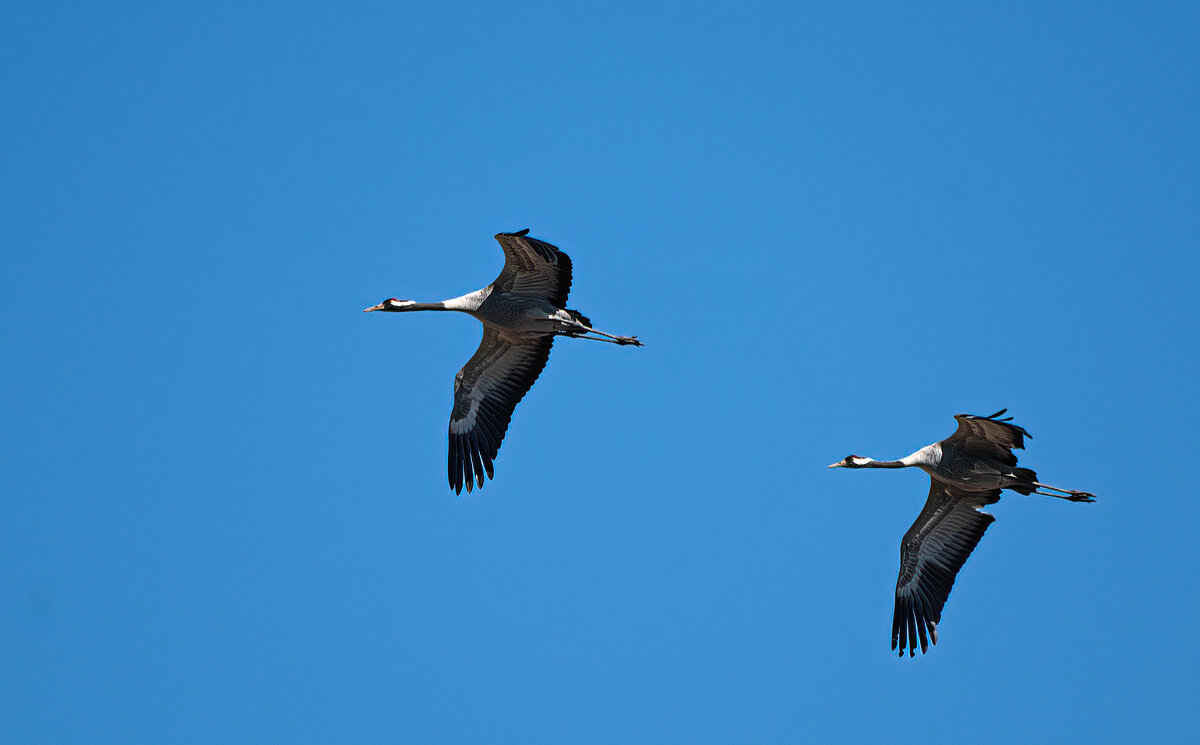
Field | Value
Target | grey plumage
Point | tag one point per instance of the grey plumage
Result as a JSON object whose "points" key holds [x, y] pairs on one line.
{"points": [[521, 311], [968, 470]]}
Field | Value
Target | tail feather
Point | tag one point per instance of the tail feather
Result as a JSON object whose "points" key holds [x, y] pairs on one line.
{"points": [[1024, 480], [579, 317]]}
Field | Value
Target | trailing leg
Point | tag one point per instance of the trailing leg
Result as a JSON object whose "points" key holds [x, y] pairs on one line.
{"points": [[585, 329], [1069, 494], [619, 340]]}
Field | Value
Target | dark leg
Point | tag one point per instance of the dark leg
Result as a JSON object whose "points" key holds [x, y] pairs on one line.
{"points": [[1068, 494], [622, 340]]}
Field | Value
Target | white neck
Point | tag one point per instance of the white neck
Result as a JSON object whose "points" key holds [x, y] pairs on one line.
{"points": [[469, 302], [927, 457]]}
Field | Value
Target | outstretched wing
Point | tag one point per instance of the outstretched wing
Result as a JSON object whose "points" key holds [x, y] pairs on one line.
{"points": [[931, 553], [989, 437], [486, 390], [533, 267]]}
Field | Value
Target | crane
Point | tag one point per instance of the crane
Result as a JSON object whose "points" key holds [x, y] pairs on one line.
{"points": [[522, 312], [967, 471]]}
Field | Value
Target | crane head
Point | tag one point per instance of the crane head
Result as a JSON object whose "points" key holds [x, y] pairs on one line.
{"points": [[391, 304], [850, 461]]}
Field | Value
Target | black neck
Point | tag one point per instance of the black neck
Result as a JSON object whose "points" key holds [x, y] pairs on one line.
{"points": [[884, 464], [416, 306]]}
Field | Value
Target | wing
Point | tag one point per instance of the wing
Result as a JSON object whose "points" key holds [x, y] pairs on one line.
{"points": [[486, 390], [533, 267], [932, 552], [988, 437]]}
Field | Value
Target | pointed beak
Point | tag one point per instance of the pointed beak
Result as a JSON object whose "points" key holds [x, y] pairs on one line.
{"points": [[373, 307], [839, 464]]}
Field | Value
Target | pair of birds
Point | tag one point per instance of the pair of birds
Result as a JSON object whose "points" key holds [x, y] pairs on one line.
{"points": [[525, 309]]}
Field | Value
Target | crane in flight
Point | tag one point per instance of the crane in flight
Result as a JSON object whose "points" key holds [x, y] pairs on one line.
{"points": [[522, 312], [967, 471]]}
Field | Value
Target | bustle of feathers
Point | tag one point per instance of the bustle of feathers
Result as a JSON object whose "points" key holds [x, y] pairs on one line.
{"points": [[581, 318]]}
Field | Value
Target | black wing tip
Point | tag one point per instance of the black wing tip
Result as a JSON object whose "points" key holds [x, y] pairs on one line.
{"points": [[517, 234], [470, 463], [911, 632], [992, 417]]}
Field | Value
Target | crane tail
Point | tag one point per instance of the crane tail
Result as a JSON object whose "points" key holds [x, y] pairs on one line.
{"points": [[578, 318], [1025, 480]]}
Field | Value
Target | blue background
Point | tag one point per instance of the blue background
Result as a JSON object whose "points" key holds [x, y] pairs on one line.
{"points": [[225, 516]]}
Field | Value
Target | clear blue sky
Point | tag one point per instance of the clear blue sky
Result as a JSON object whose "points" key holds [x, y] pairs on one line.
{"points": [[225, 516]]}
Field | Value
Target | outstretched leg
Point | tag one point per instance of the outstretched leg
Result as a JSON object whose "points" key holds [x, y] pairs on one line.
{"points": [[619, 340], [1068, 494], [615, 339]]}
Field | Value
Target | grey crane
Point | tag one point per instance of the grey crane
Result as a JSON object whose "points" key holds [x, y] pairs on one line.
{"points": [[967, 471], [522, 312]]}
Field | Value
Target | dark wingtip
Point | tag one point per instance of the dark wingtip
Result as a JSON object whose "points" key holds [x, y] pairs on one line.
{"points": [[518, 234]]}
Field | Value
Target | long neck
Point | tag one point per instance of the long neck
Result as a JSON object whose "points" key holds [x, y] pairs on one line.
{"points": [[425, 306], [884, 464], [927, 457], [468, 303]]}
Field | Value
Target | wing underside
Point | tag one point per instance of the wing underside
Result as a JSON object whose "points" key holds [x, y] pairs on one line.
{"points": [[486, 391], [931, 554]]}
